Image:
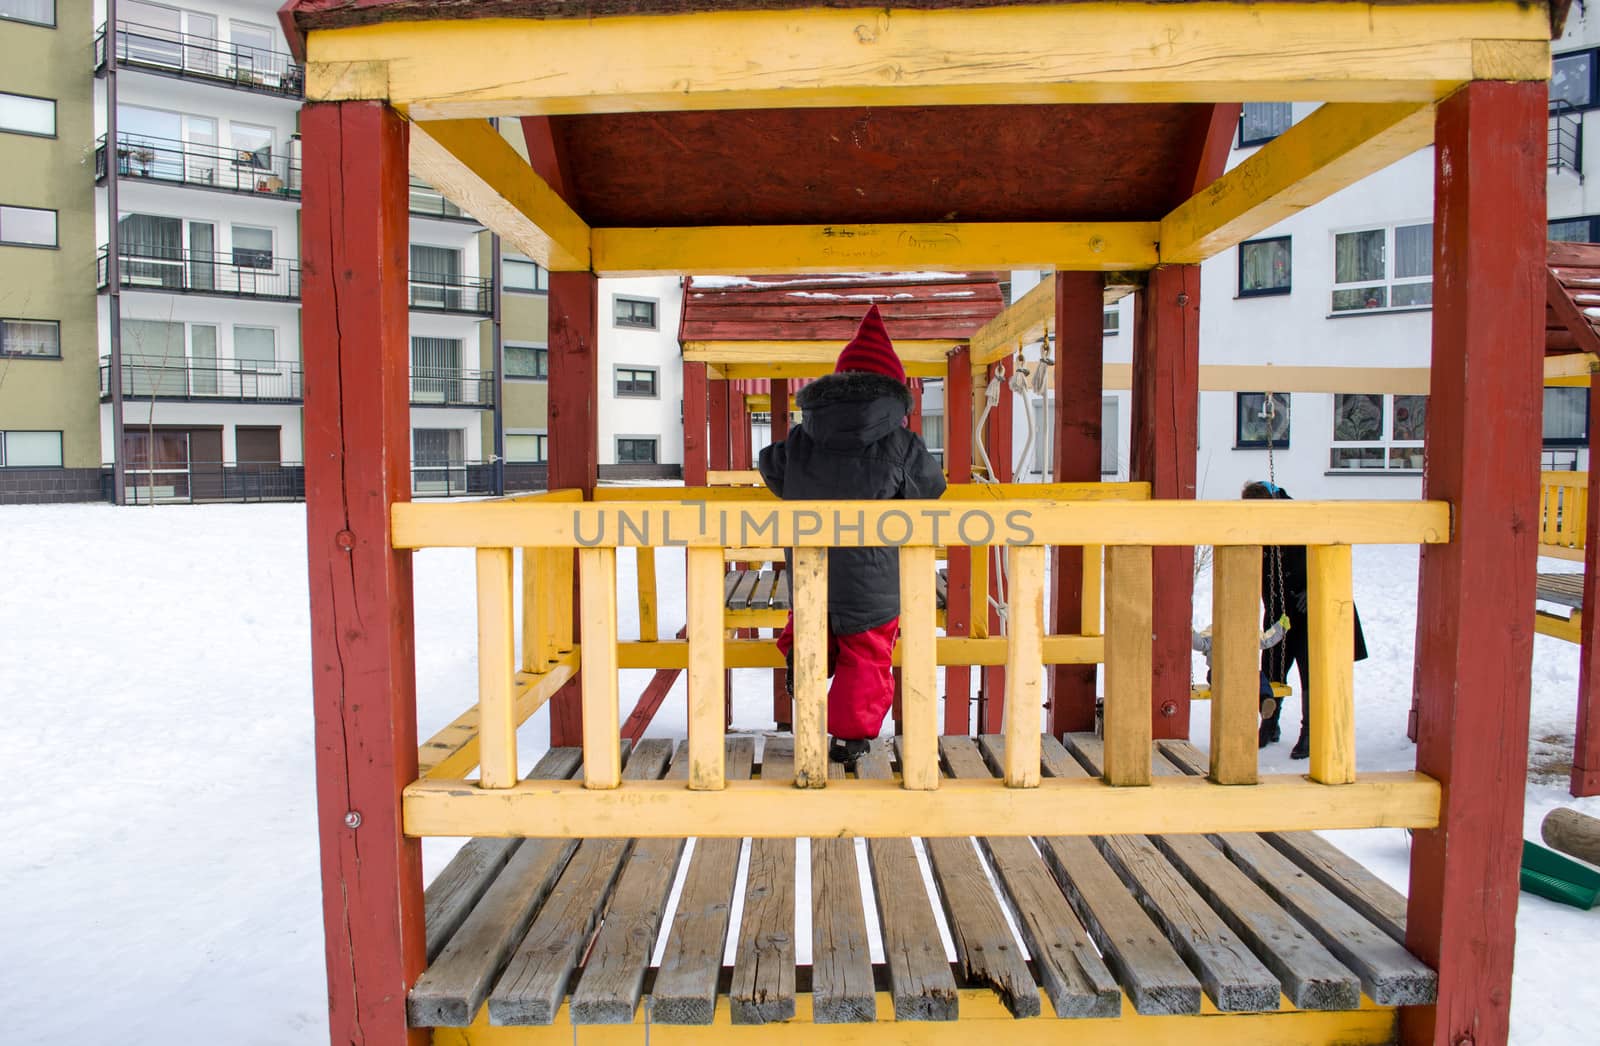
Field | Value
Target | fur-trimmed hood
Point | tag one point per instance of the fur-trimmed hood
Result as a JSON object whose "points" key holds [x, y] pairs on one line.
{"points": [[853, 408]]}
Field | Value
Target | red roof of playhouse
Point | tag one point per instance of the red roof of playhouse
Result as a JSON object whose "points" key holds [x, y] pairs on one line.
{"points": [[1572, 304]]}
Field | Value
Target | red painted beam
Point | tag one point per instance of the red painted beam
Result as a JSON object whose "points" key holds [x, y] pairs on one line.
{"points": [[915, 418], [1586, 745], [574, 438], [1474, 646], [739, 435], [358, 463], [958, 469], [780, 409], [721, 446], [694, 425], [655, 692], [1166, 399], [1075, 456]]}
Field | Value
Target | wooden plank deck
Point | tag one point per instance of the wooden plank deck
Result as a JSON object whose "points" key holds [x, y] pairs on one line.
{"points": [[767, 589], [1085, 924], [1563, 589]]}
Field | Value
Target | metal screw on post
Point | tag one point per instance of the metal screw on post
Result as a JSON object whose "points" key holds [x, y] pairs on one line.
{"points": [[352, 820]]}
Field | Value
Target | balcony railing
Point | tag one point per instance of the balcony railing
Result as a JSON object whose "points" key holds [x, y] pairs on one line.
{"points": [[252, 172], [181, 483], [428, 202], [451, 479], [451, 387], [171, 53], [444, 293], [244, 273], [1564, 143], [241, 381]]}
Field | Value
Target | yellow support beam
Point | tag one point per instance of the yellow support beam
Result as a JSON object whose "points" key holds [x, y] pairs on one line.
{"points": [[1331, 638], [602, 761], [961, 246], [1024, 686], [882, 808], [809, 588], [917, 350], [1235, 662], [454, 750], [496, 669], [707, 740], [479, 171], [759, 523], [983, 1019], [1021, 322], [1336, 146], [1569, 629], [948, 650], [1035, 53], [814, 369], [1128, 631], [919, 682], [1576, 368], [1224, 377]]}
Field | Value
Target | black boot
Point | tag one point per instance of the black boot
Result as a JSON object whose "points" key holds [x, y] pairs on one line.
{"points": [[1302, 747], [848, 752], [1268, 734]]}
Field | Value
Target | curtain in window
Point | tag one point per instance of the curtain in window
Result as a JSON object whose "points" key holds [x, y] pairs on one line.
{"points": [[435, 367], [1357, 417], [1108, 435], [148, 236], [154, 359], [1410, 418], [1260, 121], [41, 11], [1263, 266], [435, 276], [1413, 251], [1358, 256], [1566, 414], [30, 338]]}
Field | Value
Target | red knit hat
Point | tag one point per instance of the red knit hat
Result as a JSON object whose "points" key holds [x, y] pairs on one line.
{"points": [[870, 350]]}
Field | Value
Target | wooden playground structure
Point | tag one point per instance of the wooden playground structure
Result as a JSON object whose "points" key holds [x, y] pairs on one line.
{"points": [[1166, 894]]}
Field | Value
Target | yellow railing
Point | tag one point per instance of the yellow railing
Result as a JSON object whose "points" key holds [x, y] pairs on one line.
{"points": [[549, 529], [1563, 513]]}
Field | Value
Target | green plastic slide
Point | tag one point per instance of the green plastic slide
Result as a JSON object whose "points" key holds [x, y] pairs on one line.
{"points": [[1549, 874]]}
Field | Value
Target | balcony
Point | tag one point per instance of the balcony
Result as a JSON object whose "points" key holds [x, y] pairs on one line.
{"points": [[166, 52], [428, 202], [451, 387], [442, 292], [207, 381], [1564, 142], [451, 479], [251, 173], [245, 273]]}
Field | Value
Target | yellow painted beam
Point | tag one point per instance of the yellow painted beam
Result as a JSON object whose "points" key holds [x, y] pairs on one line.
{"points": [[1336, 146], [748, 371], [1128, 644], [1235, 662], [1223, 377], [1024, 320], [707, 740], [1058, 806], [454, 750], [602, 762], [919, 682], [963, 492], [496, 669], [1024, 685], [735, 478], [720, 352], [1331, 641], [983, 1019], [809, 588], [1578, 367], [843, 524], [1067, 53], [1557, 627], [960, 246], [473, 165]]}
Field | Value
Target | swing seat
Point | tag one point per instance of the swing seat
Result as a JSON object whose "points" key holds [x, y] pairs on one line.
{"points": [[1202, 692]]}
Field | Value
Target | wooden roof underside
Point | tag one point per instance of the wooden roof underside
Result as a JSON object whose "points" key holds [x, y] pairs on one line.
{"points": [[915, 306]]}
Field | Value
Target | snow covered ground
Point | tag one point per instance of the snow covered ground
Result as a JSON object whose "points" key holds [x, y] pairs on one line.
{"points": [[161, 852]]}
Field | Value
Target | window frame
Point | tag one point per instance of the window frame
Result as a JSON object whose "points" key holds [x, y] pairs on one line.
{"points": [[1592, 219], [1594, 79], [55, 116], [655, 453], [635, 368], [8, 354], [254, 252], [1579, 442], [61, 449], [541, 276], [1386, 440], [1265, 292], [55, 216], [1113, 317], [542, 436], [1239, 440], [1389, 281], [655, 312], [540, 352], [1250, 143], [55, 15]]}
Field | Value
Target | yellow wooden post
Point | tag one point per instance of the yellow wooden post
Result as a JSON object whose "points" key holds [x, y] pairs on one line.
{"points": [[602, 762], [706, 664], [1235, 662], [919, 670], [560, 589], [497, 725], [979, 592], [645, 570], [1024, 665], [1331, 690], [1128, 652], [536, 649], [1091, 589], [810, 603]]}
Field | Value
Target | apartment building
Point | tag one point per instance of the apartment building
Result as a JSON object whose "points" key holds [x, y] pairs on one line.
{"points": [[149, 280]]}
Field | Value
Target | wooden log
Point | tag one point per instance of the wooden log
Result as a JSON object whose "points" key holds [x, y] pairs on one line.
{"points": [[920, 982], [1148, 968], [613, 972], [1070, 970], [842, 988], [685, 990], [1572, 833], [534, 983], [456, 890], [763, 989]]}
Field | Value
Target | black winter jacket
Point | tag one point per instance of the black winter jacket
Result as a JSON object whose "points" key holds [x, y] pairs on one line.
{"points": [[853, 446]]}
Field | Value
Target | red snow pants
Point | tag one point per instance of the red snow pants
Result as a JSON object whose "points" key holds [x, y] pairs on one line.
{"points": [[863, 678]]}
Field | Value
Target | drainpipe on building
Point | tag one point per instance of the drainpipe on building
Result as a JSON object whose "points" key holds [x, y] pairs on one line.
{"points": [[119, 477], [498, 349]]}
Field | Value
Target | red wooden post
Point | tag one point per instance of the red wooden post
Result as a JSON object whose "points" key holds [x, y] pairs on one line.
{"points": [[574, 438], [1166, 390], [721, 456], [1476, 598], [958, 597], [1080, 312], [1586, 746], [694, 425], [739, 417], [992, 692], [780, 409], [916, 406], [358, 463]]}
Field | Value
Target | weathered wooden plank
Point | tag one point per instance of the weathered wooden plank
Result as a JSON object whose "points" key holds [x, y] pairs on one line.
{"points": [[597, 606], [1150, 971], [1235, 662], [613, 973], [920, 981], [985, 947], [730, 581], [763, 969], [1233, 977], [1345, 877], [453, 893], [1024, 678], [746, 584], [842, 988], [1331, 632], [685, 990], [761, 595], [1128, 661], [535, 981], [919, 675], [809, 579]]}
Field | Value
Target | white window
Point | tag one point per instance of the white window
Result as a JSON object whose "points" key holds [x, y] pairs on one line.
{"points": [[1111, 323], [253, 58], [633, 312], [23, 114], [1372, 432], [1387, 268], [636, 450], [30, 338], [30, 450], [39, 12], [1108, 435], [255, 347], [527, 447], [636, 381], [252, 247], [27, 226], [519, 274]]}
